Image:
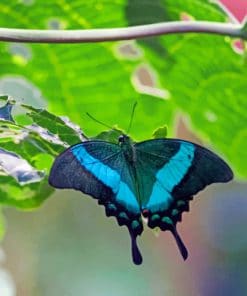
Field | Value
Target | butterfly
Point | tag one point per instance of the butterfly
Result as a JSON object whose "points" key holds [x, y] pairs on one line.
{"points": [[154, 179]]}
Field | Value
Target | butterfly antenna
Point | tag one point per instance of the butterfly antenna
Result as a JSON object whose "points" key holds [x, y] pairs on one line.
{"points": [[98, 121], [131, 118]]}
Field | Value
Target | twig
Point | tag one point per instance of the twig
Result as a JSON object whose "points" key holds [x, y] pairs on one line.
{"points": [[114, 34]]}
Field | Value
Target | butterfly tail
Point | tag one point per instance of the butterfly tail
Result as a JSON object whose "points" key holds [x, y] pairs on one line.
{"points": [[136, 254], [180, 243]]}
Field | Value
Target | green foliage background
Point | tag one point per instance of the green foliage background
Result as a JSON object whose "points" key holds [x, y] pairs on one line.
{"points": [[199, 77]]}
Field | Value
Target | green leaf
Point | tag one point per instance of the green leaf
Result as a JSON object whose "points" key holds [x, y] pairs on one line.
{"points": [[212, 92], [222, 118], [167, 10], [46, 134], [58, 126], [160, 132], [43, 161], [110, 136], [205, 78], [26, 156], [23, 197], [79, 78]]}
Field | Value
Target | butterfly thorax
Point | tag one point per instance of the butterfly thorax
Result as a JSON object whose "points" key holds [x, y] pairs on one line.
{"points": [[128, 149]]}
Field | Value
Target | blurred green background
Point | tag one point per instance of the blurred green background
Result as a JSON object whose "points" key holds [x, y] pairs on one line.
{"points": [[195, 84]]}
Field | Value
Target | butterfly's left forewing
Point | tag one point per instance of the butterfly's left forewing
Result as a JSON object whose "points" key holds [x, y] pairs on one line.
{"points": [[96, 168]]}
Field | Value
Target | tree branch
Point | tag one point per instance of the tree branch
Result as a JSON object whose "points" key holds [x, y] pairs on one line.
{"points": [[114, 34]]}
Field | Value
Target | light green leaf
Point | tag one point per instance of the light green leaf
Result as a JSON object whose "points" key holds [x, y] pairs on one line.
{"points": [[23, 197], [160, 132], [205, 77], [79, 78], [212, 92]]}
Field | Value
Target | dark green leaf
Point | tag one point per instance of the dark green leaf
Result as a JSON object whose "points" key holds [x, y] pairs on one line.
{"points": [[110, 136], [56, 126]]}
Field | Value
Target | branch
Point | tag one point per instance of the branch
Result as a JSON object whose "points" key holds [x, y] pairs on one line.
{"points": [[135, 32]]}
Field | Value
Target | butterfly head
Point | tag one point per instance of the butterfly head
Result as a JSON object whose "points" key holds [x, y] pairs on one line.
{"points": [[124, 140]]}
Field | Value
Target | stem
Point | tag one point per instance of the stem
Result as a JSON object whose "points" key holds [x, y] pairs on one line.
{"points": [[114, 34]]}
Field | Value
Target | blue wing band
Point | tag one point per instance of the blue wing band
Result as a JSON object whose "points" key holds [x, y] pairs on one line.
{"points": [[108, 177], [169, 176]]}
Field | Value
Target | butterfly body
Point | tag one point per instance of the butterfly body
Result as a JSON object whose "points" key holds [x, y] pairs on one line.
{"points": [[155, 179]]}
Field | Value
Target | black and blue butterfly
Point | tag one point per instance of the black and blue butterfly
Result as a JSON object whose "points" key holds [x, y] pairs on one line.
{"points": [[155, 179]]}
